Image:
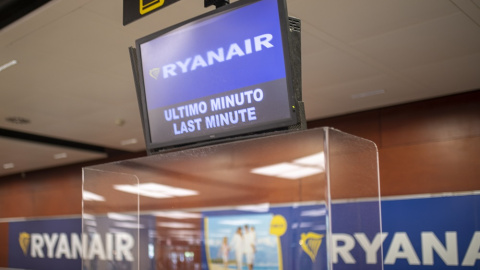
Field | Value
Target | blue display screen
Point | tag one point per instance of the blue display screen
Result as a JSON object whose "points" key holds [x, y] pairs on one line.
{"points": [[218, 75]]}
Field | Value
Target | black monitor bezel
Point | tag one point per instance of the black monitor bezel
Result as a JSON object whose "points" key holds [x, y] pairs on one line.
{"points": [[248, 131]]}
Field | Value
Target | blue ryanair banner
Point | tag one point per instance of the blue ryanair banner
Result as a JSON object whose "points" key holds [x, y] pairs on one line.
{"points": [[60, 244], [45, 244], [430, 233]]}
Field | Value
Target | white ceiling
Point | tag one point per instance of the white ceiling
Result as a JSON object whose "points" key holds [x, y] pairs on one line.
{"points": [[74, 82]]}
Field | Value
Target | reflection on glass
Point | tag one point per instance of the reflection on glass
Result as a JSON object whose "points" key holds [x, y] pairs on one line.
{"points": [[176, 214], [157, 191], [262, 207], [90, 196], [298, 168], [176, 225], [208, 195]]}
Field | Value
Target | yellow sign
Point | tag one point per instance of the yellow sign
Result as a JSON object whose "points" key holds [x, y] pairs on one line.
{"points": [[278, 225], [24, 241], [310, 243], [149, 6], [136, 9]]}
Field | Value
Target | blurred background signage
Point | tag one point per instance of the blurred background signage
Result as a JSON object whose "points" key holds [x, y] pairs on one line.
{"points": [[136, 9]]}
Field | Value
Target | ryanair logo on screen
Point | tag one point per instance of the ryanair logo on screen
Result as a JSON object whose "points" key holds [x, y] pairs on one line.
{"points": [[112, 247], [310, 243], [233, 51]]}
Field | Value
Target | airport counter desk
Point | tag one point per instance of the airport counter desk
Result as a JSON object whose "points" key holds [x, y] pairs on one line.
{"points": [[283, 201]]}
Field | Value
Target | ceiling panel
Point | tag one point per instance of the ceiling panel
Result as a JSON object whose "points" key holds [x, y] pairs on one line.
{"points": [[433, 41], [334, 66], [350, 21], [17, 155], [449, 76], [358, 95]]}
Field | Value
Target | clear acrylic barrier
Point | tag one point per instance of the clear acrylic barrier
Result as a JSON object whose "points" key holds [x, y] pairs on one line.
{"points": [[300, 200], [110, 221]]}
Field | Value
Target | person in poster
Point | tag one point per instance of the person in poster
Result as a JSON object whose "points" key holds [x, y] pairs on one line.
{"points": [[225, 250], [250, 238], [238, 247]]}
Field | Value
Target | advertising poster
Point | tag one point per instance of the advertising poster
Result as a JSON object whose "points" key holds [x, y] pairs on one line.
{"points": [[238, 240], [278, 238]]}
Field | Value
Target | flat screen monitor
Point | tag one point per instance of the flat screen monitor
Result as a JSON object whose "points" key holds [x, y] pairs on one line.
{"points": [[222, 74]]}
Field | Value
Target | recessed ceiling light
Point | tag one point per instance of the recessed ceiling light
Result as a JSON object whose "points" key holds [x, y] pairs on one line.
{"points": [[17, 120], [60, 156], [7, 65], [368, 94], [120, 122], [7, 166], [129, 141]]}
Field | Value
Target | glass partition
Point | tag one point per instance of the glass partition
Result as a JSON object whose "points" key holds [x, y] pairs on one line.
{"points": [[299, 200], [110, 221]]}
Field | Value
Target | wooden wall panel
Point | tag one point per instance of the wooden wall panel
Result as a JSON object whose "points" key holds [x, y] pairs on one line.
{"points": [[433, 167], [446, 118], [59, 195], [363, 124], [424, 147], [15, 198], [45, 193], [49, 192], [3, 244]]}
